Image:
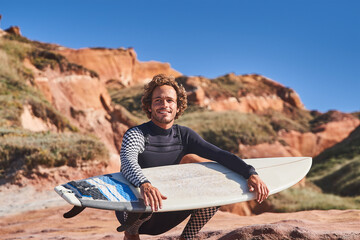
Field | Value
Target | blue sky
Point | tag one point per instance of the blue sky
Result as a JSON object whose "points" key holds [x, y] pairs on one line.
{"points": [[311, 46]]}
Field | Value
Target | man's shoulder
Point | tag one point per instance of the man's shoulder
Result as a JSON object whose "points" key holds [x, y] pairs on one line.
{"points": [[181, 127], [134, 130], [139, 129], [185, 130]]}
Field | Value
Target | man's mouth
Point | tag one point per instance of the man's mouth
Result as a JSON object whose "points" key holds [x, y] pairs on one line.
{"points": [[164, 111]]}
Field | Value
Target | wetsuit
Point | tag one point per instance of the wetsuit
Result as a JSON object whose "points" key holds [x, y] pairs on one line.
{"points": [[149, 145]]}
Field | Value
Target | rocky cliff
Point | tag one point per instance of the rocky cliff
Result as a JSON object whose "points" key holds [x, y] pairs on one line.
{"points": [[119, 66], [257, 94]]}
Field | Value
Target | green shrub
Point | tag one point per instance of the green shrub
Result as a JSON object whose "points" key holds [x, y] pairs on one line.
{"points": [[309, 198], [129, 98], [25, 150], [44, 58], [337, 156], [290, 119], [10, 111], [356, 114], [344, 181], [337, 169], [45, 111], [228, 129], [15, 92], [228, 84]]}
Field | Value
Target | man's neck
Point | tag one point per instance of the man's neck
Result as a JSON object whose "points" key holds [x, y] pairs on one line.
{"points": [[163, 125]]}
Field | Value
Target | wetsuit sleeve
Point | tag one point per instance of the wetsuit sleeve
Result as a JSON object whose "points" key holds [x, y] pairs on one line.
{"points": [[132, 145], [197, 145]]}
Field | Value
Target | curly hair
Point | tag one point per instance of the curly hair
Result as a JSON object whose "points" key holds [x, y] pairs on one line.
{"points": [[160, 80]]}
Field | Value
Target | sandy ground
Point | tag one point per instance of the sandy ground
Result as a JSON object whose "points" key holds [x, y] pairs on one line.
{"points": [[48, 223], [24, 217], [99, 224]]}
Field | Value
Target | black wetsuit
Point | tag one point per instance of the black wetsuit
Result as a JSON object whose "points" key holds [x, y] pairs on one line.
{"points": [[148, 145]]}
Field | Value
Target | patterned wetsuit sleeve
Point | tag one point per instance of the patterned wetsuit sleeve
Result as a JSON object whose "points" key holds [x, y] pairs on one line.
{"points": [[133, 143], [197, 145]]}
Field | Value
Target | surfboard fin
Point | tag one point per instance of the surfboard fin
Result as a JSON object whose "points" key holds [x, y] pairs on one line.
{"points": [[73, 212], [131, 219]]}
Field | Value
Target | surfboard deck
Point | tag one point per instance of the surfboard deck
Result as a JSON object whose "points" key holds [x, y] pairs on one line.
{"points": [[187, 186]]}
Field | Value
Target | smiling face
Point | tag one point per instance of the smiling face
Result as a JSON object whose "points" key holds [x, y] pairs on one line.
{"points": [[163, 106]]}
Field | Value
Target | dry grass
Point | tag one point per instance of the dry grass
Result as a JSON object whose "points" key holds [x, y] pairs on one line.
{"points": [[25, 150]]}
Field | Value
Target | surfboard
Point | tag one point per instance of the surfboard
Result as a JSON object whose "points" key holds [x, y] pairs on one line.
{"points": [[187, 186]]}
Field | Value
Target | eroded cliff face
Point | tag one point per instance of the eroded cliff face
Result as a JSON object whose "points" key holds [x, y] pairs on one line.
{"points": [[323, 136], [243, 93], [117, 65], [258, 94], [77, 96], [295, 144]]}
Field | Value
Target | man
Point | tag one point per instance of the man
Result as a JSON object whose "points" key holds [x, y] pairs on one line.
{"points": [[160, 142]]}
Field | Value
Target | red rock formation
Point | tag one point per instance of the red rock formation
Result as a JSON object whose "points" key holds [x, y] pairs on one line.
{"points": [[77, 96], [119, 64], [256, 94], [14, 30], [325, 135]]}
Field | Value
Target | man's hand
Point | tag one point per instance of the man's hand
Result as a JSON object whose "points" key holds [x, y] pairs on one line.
{"points": [[260, 188], [152, 196]]}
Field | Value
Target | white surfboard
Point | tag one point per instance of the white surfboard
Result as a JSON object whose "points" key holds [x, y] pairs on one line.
{"points": [[187, 186]]}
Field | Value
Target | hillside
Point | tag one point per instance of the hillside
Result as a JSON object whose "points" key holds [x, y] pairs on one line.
{"points": [[58, 108], [337, 169], [54, 141]]}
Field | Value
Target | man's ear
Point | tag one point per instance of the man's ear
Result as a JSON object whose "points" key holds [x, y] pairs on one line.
{"points": [[149, 109]]}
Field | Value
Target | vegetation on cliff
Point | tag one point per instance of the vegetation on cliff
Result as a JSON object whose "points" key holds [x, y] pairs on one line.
{"points": [[16, 88], [337, 169], [25, 150], [228, 129], [311, 197], [21, 149]]}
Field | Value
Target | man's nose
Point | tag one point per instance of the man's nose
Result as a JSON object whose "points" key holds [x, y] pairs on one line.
{"points": [[163, 102]]}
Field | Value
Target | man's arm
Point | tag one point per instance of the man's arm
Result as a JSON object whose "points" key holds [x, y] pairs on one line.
{"points": [[197, 145], [133, 143]]}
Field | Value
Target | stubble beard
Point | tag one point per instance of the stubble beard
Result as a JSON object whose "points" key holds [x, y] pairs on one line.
{"points": [[163, 119]]}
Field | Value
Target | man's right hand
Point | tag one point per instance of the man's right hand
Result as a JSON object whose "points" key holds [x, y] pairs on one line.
{"points": [[152, 196]]}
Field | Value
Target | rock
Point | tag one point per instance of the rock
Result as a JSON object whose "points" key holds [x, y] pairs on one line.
{"points": [[119, 65], [247, 93], [324, 136], [15, 30], [30, 122], [78, 97]]}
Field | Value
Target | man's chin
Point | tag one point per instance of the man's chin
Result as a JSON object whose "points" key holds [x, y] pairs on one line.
{"points": [[167, 121], [164, 120]]}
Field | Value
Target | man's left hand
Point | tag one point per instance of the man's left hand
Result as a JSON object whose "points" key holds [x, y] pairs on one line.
{"points": [[257, 185]]}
